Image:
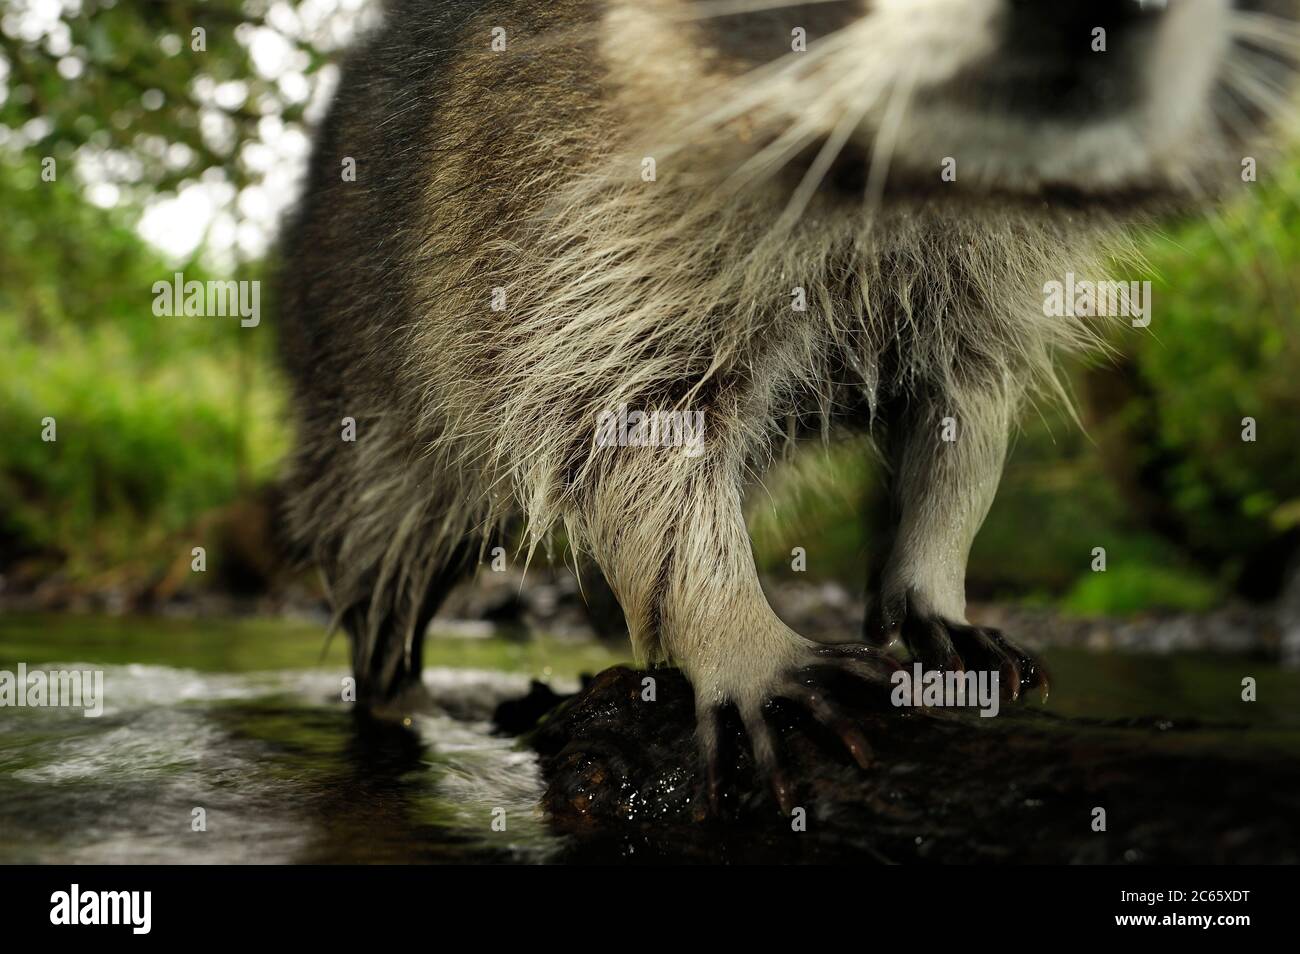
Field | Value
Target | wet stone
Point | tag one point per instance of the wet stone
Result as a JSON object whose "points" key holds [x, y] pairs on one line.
{"points": [[623, 779]]}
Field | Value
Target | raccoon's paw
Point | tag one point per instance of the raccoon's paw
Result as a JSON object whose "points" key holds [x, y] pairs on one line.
{"points": [[942, 644], [818, 681]]}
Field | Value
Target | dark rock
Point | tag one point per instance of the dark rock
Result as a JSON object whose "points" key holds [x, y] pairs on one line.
{"points": [[623, 781], [517, 716]]}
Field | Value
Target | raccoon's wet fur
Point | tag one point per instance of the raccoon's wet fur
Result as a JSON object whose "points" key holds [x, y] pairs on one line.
{"points": [[524, 216]]}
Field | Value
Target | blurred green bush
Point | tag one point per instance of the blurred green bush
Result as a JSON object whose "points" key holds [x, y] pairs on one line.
{"points": [[158, 420]]}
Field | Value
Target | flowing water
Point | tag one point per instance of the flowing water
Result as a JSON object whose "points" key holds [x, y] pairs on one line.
{"points": [[245, 721]]}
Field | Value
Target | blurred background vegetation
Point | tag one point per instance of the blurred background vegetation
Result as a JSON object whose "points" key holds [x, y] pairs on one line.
{"points": [[175, 150]]}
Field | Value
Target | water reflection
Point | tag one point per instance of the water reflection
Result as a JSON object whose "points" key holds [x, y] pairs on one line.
{"points": [[282, 770]]}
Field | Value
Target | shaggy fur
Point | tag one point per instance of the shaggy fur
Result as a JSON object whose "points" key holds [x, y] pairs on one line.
{"points": [[775, 176]]}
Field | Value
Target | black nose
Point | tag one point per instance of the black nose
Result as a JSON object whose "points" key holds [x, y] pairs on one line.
{"points": [[1055, 24], [1073, 56]]}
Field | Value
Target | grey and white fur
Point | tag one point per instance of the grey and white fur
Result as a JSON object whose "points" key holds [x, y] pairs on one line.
{"points": [[524, 169]]}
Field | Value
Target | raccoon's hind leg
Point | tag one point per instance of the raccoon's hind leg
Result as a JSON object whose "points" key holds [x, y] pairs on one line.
{"points": [[387, 646], [668, 531], [391, 538], [945, 450]]}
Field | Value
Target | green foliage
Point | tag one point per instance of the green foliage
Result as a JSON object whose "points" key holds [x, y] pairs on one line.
{"points": [[137, 80], [815, 501], [1133, 587], [1226, 347], [160, 420], [154, 425]]}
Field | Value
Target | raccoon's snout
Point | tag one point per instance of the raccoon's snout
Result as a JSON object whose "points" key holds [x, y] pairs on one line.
{"points": [[1075, 57], [1098, 96]]}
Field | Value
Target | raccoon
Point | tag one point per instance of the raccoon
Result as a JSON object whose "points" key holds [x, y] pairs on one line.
{"points": [[782, 220]]}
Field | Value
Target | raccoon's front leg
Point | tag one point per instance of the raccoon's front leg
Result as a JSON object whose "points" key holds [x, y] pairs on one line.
{"points": [[668, 531], [946, 449]]}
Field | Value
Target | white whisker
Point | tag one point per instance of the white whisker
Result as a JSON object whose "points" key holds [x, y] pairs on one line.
{"points": [[882, 152], [830, 151], [759, 86]]}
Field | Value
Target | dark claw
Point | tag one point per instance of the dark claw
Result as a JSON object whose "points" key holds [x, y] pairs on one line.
{"points": [[767, 760], [824, 672], [831, 717], [710, 747], [1033, 674], [962, 646], [782, 790], [930, 642], [984, 648], [718, 769]]}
